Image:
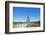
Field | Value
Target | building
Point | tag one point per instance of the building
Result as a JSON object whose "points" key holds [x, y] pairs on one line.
{"points": [[28, 21]]}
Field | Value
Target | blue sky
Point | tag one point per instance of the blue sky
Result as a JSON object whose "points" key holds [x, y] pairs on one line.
{"points": [[20, 14]]}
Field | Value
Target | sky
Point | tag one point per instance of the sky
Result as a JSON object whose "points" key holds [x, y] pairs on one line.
{"points": [[20, 14]]}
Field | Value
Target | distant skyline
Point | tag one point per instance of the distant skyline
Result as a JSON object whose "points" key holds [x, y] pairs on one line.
{"points": [[20, 14]]}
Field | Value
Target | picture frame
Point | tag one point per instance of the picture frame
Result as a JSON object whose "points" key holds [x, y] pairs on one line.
{"points": [[10, 6]]}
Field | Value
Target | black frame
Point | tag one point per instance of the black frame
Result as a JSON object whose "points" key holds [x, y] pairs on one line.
{"points": [[7, 16]]}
